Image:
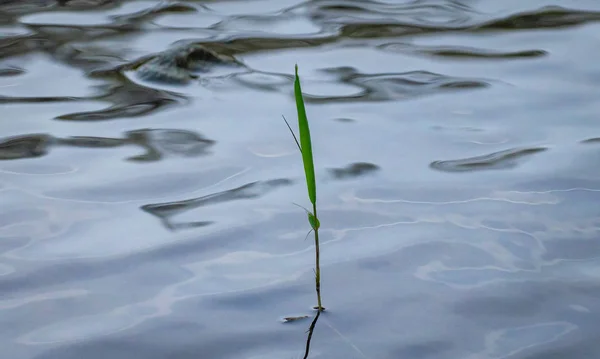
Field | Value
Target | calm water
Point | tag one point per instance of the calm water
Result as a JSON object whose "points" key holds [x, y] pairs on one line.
{"points": [[457, 145]]}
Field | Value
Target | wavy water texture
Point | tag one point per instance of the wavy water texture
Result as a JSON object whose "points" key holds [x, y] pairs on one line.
{"points": [[157, 143], [353, 170], [497, 160], [461, 52], [149, 188], [165, 211]]}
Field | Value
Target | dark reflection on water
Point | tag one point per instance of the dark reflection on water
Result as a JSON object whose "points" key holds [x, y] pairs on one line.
{"points": [[24, 147], [165, 211], [157, 143], [549, 16], [592, 140], [148, 14], [129, 101], [11, 71], [461, 52], [458, 186], [388, 87], [496, 160], [353, 170]]}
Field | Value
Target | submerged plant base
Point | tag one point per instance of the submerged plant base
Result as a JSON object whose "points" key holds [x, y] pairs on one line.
{"points": [[316, 307]]}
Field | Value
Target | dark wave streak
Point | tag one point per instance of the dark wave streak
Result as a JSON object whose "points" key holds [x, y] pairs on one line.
{"points": [[497, 160], [165, 211]]}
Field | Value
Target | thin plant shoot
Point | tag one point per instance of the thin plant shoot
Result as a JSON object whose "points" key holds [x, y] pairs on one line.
{"points": [[305, 147]]}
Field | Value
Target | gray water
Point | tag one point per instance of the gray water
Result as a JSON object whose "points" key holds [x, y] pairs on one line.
{"points": [[456, 144]]}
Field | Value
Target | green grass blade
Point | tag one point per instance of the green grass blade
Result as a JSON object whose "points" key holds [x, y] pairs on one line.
{"points": [[293, 134], [305, 142], [314, 221]]}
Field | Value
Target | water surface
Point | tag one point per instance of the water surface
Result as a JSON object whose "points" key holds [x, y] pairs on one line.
{"points": [[456, 148]]}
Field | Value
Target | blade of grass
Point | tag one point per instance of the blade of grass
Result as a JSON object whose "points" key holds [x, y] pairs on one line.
{"points": [[305, 142], [309, 170], [292, 132]]}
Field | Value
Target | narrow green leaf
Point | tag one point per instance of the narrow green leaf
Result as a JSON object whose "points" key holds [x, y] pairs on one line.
{"points": [[307, 234], [314, 221], [305, 141], [293, 134]]}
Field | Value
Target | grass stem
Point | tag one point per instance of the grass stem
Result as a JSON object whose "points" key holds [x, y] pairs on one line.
{"points": [[305, 147], [317, 264]]}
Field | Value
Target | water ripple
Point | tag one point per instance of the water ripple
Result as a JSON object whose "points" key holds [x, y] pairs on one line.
{"points": [[157, 143], [497, 160], [545, 17], [24, 147], [461, 52], [393, 86], [165, 211]]}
